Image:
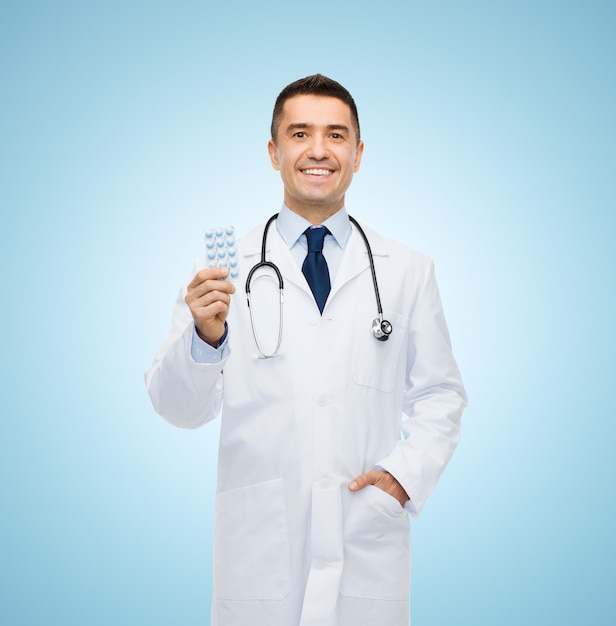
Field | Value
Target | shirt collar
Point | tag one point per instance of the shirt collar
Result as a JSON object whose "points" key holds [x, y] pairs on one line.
{"points": [[291, 226]]}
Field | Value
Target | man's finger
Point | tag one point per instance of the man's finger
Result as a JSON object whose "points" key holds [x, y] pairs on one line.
{"points": [[208, 274], [363, 480]]}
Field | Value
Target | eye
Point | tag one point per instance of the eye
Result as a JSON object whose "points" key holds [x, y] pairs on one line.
{"points": [[336, 136], [300, 134]]}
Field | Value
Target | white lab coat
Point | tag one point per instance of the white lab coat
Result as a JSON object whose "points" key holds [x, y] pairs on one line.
{"points": [[293, 546]]}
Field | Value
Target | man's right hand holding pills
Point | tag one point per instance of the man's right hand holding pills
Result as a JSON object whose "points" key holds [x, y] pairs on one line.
{"points": [[208, 297]]}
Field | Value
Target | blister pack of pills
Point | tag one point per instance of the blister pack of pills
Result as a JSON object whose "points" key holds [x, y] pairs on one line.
{"points": [[221, 250]]}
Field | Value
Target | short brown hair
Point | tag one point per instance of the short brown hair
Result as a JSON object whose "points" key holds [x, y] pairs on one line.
{"points": [[315, 85]]}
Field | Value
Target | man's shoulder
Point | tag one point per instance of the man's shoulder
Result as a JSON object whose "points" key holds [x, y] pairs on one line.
{"points": [[382, 245]]}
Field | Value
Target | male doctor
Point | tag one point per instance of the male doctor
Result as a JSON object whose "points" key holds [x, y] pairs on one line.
{"points": [[328, 447]]}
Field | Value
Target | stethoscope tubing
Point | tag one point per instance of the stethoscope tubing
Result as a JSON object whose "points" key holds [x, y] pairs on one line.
{"points": [[264, 263], [379, 308]]}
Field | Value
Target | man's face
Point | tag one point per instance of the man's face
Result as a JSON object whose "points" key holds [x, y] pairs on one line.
{"points": [[317, 153]]}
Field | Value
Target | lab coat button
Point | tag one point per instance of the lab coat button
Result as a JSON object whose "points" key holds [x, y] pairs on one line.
{"points": [[325, 483], [319, 565], [322, 400]]}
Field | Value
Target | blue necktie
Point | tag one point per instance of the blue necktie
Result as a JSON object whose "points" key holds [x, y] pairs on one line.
{"points": [[315, 266]]}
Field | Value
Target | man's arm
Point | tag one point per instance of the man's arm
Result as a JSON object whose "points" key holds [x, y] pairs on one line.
{"points": [[185, 390]]}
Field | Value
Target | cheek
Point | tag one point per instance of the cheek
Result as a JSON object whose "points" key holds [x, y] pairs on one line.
{"points": [[285, 166]]}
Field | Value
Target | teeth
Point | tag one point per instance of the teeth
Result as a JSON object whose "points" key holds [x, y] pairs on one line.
{"points": [[316, 172]]}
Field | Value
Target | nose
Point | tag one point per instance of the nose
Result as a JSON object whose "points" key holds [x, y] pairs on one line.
{"points": [[317, 149]]}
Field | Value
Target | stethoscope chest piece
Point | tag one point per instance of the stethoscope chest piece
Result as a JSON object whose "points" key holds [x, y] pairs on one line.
{"points": [[381, 328]]}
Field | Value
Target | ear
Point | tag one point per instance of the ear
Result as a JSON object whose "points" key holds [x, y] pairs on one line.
{"points": [[358, 155], [273, 153]]}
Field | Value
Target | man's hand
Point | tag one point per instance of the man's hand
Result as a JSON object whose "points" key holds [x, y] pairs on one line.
{"points": [[208, 299], [384, 481]]}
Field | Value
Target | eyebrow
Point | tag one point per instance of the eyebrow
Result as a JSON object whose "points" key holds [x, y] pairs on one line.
{"points": [[304, 125]]}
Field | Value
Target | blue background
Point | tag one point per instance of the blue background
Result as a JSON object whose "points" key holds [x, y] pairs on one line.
{"points": [[129, 127]]}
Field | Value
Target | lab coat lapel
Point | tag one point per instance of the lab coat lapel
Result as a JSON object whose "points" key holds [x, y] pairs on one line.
{"points": [[355, 260]]}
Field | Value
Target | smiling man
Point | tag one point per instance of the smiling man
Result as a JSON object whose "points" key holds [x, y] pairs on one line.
{"points": [[316, 147], [330, 439]]}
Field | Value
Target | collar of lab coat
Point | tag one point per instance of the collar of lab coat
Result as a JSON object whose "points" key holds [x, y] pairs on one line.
{"points": [[354, 261]]}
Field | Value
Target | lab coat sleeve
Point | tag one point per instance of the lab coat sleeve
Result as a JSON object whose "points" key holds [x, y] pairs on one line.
{"points": [[186, 393], [434, 399]]}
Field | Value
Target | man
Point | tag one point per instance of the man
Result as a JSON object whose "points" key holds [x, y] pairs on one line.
{"points": [[315, 481]]}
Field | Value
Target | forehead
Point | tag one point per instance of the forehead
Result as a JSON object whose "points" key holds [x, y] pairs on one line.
{"points": [[316, 110]]}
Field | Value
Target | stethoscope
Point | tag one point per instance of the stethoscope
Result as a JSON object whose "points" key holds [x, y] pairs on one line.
{"points": [[381, 329]]}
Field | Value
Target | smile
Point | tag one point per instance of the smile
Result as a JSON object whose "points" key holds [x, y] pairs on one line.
{"points": [[317, 172]]}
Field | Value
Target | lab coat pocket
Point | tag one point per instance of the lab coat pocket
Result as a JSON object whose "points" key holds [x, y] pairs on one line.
{"points": [[377, 557], [376, 363], [251, 546]]}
